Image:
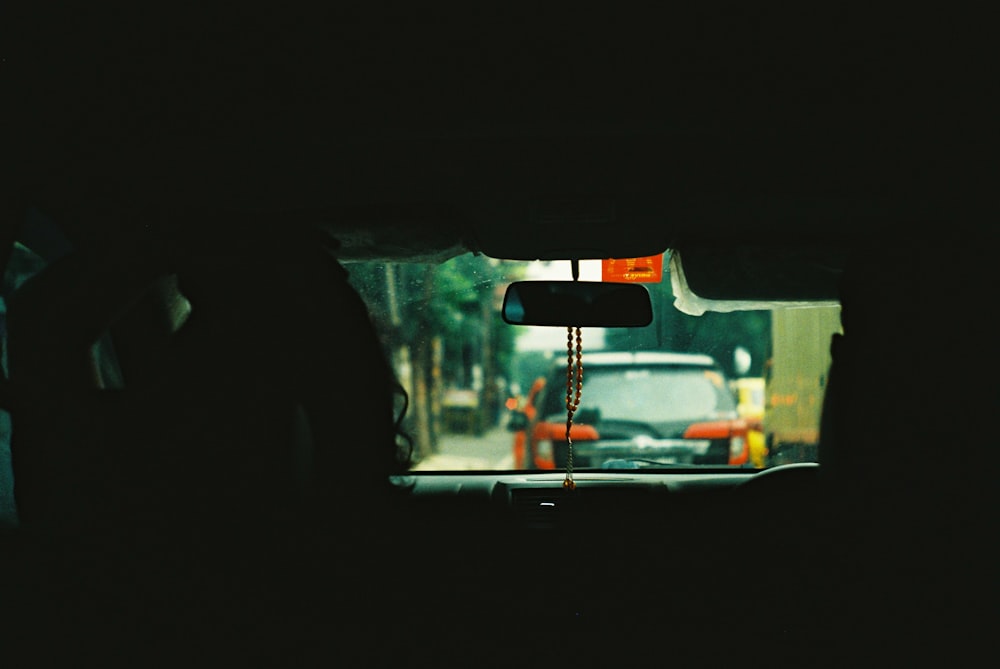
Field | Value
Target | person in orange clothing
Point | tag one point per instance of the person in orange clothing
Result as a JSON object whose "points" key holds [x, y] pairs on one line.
{"points": [[522, 418]]}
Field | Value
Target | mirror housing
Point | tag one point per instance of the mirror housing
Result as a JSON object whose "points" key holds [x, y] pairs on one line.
{"points": [[742, 361], [518, 421], [577, 304]]}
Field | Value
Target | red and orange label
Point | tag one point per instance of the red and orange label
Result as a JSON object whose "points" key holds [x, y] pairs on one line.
{"points": [[648, 269]]}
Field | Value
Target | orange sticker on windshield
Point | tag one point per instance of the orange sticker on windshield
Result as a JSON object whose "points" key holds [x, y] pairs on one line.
{"points": [[648, 269]]}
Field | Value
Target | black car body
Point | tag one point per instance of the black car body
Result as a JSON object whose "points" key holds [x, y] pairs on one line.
{"points": [[642, 409]]}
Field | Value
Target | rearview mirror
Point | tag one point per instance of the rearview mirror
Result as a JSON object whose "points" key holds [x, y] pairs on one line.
{"points": [[577, 303]]}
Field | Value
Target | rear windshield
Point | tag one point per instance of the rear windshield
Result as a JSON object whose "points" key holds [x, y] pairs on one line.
{"points": [[649, 394]]}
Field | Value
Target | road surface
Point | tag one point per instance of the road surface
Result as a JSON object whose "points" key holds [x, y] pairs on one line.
{"points": [[490, 450]]}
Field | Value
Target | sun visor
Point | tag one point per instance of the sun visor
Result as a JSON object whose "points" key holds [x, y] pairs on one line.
{"points": [[724, 279]]}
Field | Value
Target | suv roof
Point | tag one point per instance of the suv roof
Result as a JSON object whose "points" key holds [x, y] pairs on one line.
{"points": [[647, 358]]}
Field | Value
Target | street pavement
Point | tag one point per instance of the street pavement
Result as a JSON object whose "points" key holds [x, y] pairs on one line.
{"points": [[490, 450]]}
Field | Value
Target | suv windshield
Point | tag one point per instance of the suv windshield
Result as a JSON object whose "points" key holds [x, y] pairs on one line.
{"points": [[487, 395]]}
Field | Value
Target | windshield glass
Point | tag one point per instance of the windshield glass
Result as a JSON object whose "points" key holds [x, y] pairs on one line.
{"points": [[651, 395], [487, 395]]}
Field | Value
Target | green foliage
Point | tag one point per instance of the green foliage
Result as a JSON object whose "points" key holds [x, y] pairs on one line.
{"points": [[456, 301], [717, 334]]}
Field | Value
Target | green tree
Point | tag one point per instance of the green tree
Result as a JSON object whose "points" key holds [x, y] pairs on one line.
{"points": [[441, 326], [717, 334]]}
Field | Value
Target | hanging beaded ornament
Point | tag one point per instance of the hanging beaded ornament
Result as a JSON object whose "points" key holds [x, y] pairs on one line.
{"points": [[574, 388]]}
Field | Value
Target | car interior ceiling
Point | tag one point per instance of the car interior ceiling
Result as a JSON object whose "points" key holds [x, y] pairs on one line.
{"points": [[132, 197]]}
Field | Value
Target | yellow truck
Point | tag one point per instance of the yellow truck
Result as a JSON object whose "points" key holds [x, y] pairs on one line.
{"points": [[795, 380]]}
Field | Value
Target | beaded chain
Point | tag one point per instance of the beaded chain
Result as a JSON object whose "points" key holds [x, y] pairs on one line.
{"points": [[574, 387]]}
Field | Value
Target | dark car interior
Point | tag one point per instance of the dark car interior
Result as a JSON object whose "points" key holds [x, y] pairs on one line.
{"points": [[193, 185]]}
